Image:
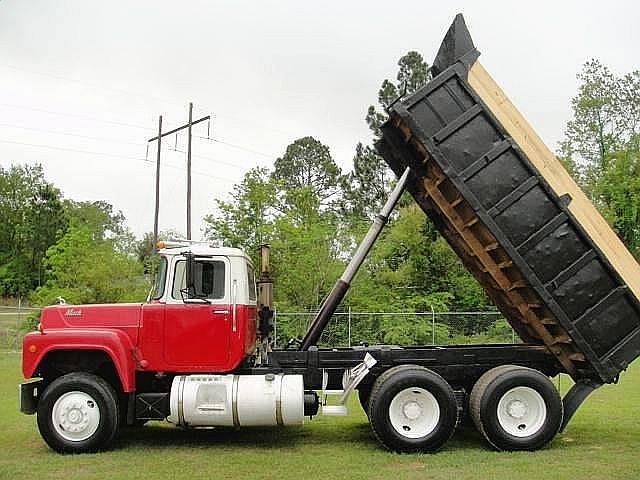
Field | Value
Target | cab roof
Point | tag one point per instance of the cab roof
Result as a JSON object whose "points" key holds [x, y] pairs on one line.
{"points": [[204, 250]]}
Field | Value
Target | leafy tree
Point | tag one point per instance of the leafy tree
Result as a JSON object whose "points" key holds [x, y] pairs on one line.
{"points": [[413, 72], [31, 215], [306, 263], [247, 221], [617, 190], [288, 208], [144, 249], [606, 116], [83, 270], [602, 143], [304, 235], [367, 186], [308, 163], [103, 223], [412, 267]]}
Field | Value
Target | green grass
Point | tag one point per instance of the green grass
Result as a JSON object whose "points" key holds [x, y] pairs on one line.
{"points": [[602, 441]]}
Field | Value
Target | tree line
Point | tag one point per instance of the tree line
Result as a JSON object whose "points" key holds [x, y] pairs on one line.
{"points": [[313, 215]]}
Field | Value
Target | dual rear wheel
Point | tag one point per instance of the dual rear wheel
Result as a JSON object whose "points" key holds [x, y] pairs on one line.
{"points": [[412, 408], [516, 408]]}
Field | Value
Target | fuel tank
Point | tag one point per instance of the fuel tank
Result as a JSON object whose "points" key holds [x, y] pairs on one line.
{"points": [[237, 400]]}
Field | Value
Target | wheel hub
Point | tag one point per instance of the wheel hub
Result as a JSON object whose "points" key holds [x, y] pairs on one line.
{"points": [[412, 410], [75, 416], [517, 409]]}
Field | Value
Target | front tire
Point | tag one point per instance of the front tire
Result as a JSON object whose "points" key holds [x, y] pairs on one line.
{"points": [[78, 413], [412, 409]]}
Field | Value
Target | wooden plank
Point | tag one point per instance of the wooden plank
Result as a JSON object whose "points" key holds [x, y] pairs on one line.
{"points": [[556, 176]]}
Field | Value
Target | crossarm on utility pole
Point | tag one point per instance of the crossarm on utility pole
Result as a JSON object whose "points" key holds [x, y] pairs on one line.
{"points": [[176, 130], [341, 287]]}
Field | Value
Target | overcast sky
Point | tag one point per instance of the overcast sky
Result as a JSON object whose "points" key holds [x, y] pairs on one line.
{"points": [[83, 82]]}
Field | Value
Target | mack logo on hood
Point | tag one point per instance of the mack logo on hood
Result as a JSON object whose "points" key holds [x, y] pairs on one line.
{"points": [[73, 313]]}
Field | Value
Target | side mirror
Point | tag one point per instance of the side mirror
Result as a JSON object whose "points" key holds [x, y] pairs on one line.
{"points": [[189, 294]]}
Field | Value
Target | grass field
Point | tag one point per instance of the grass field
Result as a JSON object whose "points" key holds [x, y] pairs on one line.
{"points": [[602, 442]]}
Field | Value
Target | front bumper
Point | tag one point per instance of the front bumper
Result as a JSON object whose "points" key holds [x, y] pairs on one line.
{"points": [[29, 395]]}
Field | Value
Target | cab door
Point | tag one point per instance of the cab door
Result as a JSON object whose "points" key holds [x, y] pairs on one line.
{"points": [[196, 335]]}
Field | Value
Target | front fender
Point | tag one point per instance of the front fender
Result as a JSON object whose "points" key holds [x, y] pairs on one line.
{"points": [[115, 343]]}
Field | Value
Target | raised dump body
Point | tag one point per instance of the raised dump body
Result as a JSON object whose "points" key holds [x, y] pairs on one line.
{"points": [[515, 217]]}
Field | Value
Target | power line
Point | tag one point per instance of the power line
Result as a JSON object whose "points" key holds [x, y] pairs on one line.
{"points": [[70, 134], [239, 147], [139, 144], [52, 147], [138, 94], [75, 115], [199, 172], [223, 162], [145, 161], [158, 139], [92, 85]]}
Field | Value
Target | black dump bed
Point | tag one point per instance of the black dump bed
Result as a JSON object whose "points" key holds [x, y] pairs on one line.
{"points": [[514, 216]]}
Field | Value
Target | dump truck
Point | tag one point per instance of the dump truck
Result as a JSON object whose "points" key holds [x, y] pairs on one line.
{"points": [[199, 353]]}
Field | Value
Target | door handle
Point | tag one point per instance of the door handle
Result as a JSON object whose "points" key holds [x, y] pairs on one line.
{"points": [[225, 312]]}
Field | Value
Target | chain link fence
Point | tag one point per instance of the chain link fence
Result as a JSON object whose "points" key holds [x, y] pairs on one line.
{"points": [[15, 320], [398, 328], [345, 328]]}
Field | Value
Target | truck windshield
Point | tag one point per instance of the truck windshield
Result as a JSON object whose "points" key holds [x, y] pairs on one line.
{"points": [[161, 275]]}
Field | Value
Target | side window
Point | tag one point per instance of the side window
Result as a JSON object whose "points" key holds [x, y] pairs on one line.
{"points": [[209, 279], [251, 282]]}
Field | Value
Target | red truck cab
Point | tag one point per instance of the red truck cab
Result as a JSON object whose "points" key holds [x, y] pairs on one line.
{"points": [[209, 326], [215, 329]]}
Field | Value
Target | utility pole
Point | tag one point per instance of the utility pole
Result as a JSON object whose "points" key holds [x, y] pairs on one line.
{"points": [[157, 209], [159, 139], [189, 172]]}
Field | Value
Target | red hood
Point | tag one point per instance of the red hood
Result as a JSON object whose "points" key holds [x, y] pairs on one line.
{"points": [[122, 316]]}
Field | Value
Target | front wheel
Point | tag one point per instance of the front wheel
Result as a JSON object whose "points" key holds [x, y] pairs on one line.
{"points": [[78, 413]]}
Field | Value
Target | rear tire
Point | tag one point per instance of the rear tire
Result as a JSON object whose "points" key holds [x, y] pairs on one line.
{"points": [[78, 413], [412, 409], [516, 408]]}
